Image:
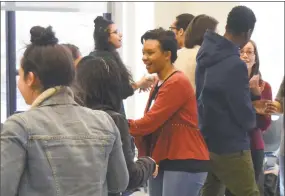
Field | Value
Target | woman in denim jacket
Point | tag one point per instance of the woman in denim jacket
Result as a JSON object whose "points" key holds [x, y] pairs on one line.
{"points": [[58, 147]]}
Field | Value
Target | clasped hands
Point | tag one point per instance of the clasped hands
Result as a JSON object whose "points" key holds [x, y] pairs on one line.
{"points": [[146, 83], [267, 107], [263, 107]]}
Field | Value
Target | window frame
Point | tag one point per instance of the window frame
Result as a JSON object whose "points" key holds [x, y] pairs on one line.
{"points": [[11, 9]]}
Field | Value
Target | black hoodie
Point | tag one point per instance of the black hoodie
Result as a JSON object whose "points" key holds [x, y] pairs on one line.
{"points": [[226, 113]]}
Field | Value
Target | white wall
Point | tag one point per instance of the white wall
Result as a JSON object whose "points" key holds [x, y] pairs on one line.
{"points": [[165, 12]]}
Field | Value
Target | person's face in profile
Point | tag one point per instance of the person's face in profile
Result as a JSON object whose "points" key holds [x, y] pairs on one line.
{"points": [[153, 57], [115, 37], [179, 33]]}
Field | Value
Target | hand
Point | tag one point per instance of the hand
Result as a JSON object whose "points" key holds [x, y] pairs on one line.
{"points": [[144, 90], [273, 107], [261, 106], [146, 82], [254, 86], [155, 173]]}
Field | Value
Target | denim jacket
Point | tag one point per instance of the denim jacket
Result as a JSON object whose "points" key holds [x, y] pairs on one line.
{"points": [[59, 148]]}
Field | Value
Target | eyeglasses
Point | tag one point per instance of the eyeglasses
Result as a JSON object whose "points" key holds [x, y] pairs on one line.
{"points": [[248, 53], [115, 32], [172, 28]]}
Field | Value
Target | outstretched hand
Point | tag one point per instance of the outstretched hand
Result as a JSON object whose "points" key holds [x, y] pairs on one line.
{"points": [[261, 106], [146, 83], [266, 107]]}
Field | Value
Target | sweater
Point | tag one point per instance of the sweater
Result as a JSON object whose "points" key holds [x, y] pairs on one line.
{"points": [[169, 129], [262, 122], [186, 62]]}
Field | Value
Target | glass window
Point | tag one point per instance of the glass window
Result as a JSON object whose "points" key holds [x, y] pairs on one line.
{"points": [[3, 68], [70, 27]]}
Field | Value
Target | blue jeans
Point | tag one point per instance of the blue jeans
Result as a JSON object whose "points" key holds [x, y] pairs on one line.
{"points": [[170, 183], [281, 174]]}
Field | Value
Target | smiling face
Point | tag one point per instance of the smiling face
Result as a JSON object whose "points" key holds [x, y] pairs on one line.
{"points": [[153, 57], [247, 54], [115, 37]]}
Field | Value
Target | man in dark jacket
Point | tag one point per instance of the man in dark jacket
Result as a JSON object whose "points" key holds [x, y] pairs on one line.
{"points": [[226, 114]]}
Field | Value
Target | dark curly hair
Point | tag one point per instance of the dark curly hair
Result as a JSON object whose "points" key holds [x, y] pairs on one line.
{"points": [[166, 39], [240, 20]]}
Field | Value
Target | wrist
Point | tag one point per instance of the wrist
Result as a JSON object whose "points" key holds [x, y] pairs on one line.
{"points": [[135, 85], [152, 159], [255, 96]]}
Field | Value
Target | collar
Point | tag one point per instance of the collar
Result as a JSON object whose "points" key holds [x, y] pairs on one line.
{"points": [[59, 95]]}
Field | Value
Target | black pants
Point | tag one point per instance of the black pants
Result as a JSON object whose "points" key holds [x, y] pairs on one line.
{"points": [[257, 159]]}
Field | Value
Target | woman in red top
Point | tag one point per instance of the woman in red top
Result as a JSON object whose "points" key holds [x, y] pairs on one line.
{"points": [[169, 132]]}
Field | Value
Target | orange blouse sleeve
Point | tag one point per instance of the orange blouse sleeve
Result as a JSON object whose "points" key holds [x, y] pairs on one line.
{"points": [[170, 98]]}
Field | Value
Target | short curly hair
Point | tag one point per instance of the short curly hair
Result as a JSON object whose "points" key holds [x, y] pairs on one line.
{"points": [[240, 20], [166, 39]]}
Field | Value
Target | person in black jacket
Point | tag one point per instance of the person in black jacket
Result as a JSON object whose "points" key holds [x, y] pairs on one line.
{"points": [[97, 86], [107, 40]]}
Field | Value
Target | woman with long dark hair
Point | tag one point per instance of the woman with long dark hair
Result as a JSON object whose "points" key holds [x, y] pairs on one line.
{"points": [[97, 87], [107, 40]]}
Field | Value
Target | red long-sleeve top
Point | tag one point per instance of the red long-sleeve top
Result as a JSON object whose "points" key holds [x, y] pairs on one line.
{"points": [[169, 129], [262, 121]]}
